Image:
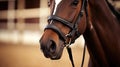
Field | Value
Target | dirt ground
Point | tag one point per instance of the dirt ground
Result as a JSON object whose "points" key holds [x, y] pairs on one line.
{"points": [[19, 55]]}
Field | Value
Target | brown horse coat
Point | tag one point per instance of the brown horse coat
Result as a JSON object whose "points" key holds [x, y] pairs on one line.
{"points": [[102, 35]]}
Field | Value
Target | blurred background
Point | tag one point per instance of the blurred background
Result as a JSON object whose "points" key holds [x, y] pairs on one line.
{"points": [[21, 25]]}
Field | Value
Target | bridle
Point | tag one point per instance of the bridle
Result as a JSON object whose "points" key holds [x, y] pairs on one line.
{"points": [[73, 28]]}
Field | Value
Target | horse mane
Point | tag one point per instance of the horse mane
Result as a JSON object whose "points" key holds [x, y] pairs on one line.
{"points": [[114, 11]]}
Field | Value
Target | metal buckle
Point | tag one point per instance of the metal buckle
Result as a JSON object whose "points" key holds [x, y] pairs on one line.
{"points": [[68, 45]]}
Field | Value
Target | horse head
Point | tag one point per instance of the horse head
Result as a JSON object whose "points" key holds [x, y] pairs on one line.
{"points": [[66, 23]]}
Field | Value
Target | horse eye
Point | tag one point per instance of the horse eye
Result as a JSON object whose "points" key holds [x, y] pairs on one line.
{"points": [[75, 2]]}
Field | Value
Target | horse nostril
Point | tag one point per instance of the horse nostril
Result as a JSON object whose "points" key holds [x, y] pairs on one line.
{"points": [[52, 46]]}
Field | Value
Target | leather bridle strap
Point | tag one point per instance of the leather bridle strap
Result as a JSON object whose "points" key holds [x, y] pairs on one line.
{"points": [[61, 20], [84, 8], [57, 30], [62, 36], [70, 55]]}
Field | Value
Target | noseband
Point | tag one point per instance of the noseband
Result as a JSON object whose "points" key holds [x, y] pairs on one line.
{"points": [[73, 27]]}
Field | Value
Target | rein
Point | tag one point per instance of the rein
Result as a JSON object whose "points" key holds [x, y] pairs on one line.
{"points": [[73, 27]]}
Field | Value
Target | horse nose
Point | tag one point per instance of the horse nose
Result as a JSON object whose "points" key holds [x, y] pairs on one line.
{"points": [[52, 46]]}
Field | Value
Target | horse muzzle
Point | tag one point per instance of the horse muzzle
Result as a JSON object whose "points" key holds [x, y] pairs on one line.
{"points": [[51, 49]]}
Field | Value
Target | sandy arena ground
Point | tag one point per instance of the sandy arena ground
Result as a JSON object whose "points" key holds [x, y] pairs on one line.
{"points": [[19, 55]]}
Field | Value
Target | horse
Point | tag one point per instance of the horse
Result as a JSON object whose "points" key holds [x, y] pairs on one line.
{"points": [[91, 18]]}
